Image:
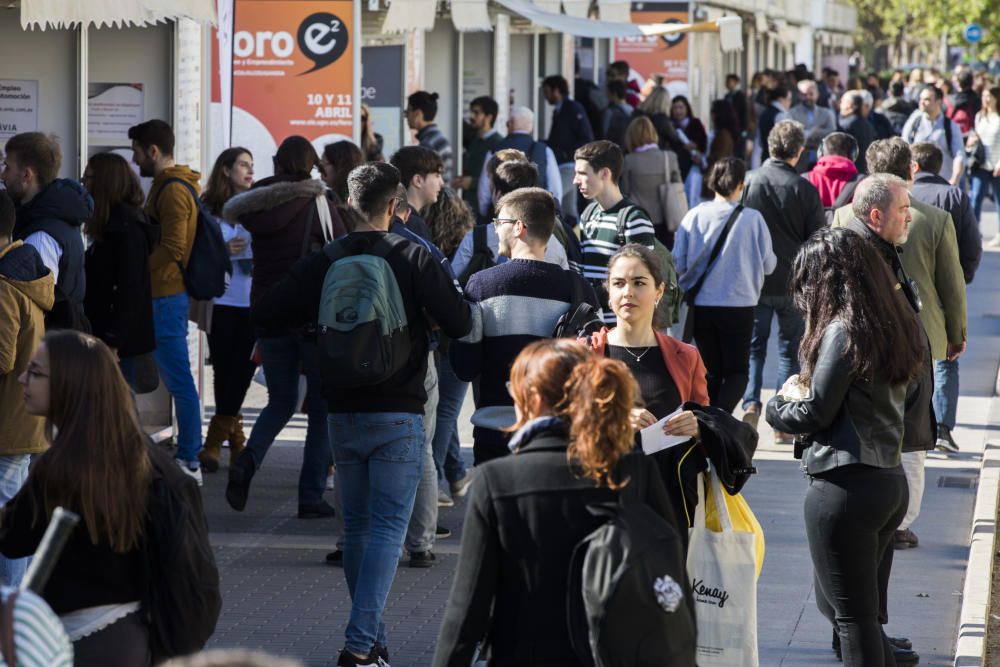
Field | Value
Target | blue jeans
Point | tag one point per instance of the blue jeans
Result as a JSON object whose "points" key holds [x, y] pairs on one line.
{"points": [[946, 392], [13, 474], [451, 396], [791, 326], [284, 359], [983, 184], [170, 318], [379, 459]]}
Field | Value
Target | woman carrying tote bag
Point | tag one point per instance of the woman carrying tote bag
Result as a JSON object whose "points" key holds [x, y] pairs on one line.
{"points": [[652, 179]]}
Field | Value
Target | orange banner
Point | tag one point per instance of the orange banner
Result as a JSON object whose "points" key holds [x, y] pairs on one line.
{"points": [[667, 54], [293, 67]]}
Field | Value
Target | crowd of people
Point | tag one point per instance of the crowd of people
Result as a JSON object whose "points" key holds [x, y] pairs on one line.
{"points": [[389, 287]]}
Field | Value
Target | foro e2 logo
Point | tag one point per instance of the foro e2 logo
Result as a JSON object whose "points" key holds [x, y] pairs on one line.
{"points": [[262, 43], [323, 38]]}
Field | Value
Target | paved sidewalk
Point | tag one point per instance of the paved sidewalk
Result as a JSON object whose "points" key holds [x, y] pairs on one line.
{"points": [[280, 596]]}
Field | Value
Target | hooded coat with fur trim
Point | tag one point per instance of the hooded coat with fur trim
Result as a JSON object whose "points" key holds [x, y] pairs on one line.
{"points": [[284, 223]]}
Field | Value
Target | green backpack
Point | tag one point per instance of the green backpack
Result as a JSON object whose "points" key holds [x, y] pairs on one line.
{"points": [[670, 305], [364, 337]]}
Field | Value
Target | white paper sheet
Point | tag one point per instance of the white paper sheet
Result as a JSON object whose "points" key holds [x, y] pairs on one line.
{"points": [[655, 440]]}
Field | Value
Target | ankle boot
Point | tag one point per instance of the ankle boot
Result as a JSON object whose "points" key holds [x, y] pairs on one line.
{"points": [[237, 438], [218, 432]]}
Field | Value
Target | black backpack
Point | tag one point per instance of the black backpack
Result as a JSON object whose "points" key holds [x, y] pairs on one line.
{"points": [[581, 319], [206, 274], [482, 256], [629, 602], [181, 599]]}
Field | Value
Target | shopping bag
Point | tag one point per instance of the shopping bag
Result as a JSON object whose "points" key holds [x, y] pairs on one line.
{"points": [[743, 520], [722, 567]]}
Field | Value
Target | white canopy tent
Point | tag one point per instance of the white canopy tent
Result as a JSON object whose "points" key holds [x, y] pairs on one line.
{"points": [[112, 13]]}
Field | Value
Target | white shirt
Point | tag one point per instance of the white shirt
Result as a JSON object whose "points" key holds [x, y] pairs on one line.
{"points": [[554, 251], [49, 249], [238, 290]]}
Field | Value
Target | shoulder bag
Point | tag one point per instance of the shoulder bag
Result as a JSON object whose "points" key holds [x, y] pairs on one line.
{"points": [[691, 294]]}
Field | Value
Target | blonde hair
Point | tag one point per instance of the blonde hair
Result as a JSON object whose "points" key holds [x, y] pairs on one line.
{"points": [[640, 132]]}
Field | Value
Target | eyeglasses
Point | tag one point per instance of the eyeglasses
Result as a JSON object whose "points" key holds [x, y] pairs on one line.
{"points": [[497, 222]]}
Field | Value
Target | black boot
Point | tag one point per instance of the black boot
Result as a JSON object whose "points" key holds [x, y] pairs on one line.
{"points": [[240, 474]]}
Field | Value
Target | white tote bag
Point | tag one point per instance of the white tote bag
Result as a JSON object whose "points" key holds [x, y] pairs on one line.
{"points": [[722, 567]]}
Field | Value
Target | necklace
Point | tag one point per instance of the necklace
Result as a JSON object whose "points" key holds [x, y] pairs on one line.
{"points": [[637, 357]]}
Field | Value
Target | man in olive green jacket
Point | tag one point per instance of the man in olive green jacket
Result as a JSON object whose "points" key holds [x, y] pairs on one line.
{"points": [[930, 258]]}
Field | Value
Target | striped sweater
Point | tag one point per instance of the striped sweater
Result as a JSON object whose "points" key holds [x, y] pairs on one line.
{"points": [[433, 138], [599, 240], [513, 304], [39, 637]]}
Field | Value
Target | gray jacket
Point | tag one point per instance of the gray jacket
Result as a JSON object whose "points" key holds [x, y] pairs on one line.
{"points": [[847, 420], [823, 122]]}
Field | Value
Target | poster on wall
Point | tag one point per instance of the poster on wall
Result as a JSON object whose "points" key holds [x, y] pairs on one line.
{"points": [[112, 108], [292, 69], [18, 107], [665, 55], [382, 91]]}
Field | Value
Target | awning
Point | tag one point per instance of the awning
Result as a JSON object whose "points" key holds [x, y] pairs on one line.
{"points": [[470, 16], [729, 27], [406, 15], [112, 13]]}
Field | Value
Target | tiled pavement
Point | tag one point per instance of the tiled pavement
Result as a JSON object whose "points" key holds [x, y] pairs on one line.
{"points": [[281, 596]]}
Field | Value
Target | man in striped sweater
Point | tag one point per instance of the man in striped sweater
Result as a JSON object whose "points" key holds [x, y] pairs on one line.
{"points": [[513, 304], [421, 109], [611, 221]]}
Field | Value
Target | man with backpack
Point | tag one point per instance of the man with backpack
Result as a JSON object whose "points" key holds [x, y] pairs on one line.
{"points": [[539, 293], [480, 249], [611, 220], [373, 357], [50, 212], [930, 123], [519, 128], [172, 202]]}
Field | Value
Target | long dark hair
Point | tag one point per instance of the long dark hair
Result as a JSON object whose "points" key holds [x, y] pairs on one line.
{"points": [[112, 183], [838, 276], [343, 157], [97, 465], [220, 186]]}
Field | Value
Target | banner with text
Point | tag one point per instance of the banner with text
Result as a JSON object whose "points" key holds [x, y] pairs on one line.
{"points": [[665, 55], [292, 73]]}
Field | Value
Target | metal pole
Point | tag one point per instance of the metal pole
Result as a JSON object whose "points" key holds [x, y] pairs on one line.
{"points": [[459, 154], [82, 94]]}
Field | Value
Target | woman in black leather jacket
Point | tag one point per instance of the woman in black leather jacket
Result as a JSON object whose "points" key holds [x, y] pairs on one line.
{"points": [[861, 346]]}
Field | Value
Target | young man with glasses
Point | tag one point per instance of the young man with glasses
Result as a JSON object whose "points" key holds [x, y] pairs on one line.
{"points": [[518, 302]]}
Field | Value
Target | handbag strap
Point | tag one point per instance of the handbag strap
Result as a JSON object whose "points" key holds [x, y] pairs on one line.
{"points": [[307, 236], [716, 249], [7, 646], [710, 478]]}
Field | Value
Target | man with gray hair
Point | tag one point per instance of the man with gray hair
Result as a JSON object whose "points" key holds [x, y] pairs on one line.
{"points": [[520, 126], [929, 258], [853, 121], [792, 209], [816, 120]]}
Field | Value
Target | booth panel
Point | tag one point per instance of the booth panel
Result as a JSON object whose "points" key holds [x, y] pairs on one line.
{"points": [[47, 62], [441, 77]]}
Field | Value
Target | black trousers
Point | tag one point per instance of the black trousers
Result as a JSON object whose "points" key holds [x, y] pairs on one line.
{"points": [[851, 514], [124, 643], [231, 343], [722, 334]]}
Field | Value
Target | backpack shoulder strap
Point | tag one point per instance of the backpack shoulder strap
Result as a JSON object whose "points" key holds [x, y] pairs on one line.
{"points": [[334, 251], [479, 240], [588, 212], [188, 186], [386, 245], [620, 223]]}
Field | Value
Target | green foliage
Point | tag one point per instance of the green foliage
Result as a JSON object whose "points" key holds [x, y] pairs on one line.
{"points": [[888, 22]]}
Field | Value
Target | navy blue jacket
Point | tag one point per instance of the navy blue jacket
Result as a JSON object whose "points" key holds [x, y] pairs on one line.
{"points": [[59, 210], [570, 130], [936, 191], [535, 150]]}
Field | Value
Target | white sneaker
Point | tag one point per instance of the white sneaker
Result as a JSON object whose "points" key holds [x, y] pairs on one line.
{"points": [[461, 487], [329, 482], [194, 474], [444, 500]]}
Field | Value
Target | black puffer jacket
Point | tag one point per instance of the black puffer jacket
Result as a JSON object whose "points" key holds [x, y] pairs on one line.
{"points": [[119, 302], [848, 420]]}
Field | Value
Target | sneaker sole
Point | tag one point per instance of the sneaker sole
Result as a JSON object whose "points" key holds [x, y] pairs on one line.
{"points": [[446, 503]]}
